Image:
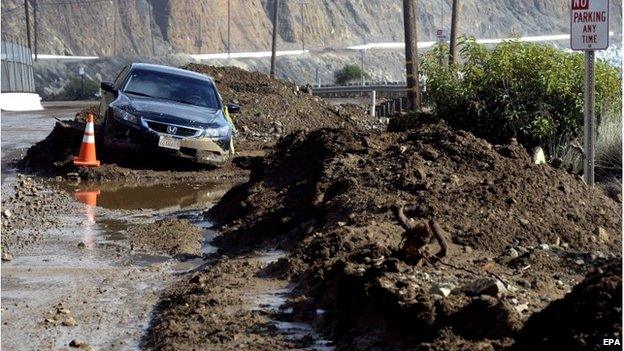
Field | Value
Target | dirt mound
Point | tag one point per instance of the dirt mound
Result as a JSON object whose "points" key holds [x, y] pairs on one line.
{"points": [[528, 232], [54, 155], [173, 237], [487, 197], [271, 108], [582, 319]]}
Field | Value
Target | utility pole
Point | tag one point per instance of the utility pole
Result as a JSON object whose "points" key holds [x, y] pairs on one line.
{"points": [[453, 43], [114, 29], [228, 33], [302, 24], [274, 41], [151, 15], [411, 53], [362, 66], [27, 13], [35, 10]]}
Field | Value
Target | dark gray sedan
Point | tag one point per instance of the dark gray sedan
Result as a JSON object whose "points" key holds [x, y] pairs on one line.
{"points": [[167, 109]]}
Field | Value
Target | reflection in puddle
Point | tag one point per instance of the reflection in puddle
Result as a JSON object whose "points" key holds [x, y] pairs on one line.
{"points": [[89, 227], [274, 302], [155, 197]]}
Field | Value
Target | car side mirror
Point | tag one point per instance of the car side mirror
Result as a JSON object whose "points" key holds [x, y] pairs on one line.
{"points": [[233, 108], [108, 86]]}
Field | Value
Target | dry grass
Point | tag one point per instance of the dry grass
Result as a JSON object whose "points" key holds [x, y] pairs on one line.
{"points": [[608, 169]]}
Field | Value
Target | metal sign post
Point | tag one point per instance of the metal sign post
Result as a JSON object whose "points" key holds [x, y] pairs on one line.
{"points": [[590, 130], [589, 31]]}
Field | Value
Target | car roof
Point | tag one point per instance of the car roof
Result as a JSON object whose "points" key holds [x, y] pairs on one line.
{"points": [[172, 70]]}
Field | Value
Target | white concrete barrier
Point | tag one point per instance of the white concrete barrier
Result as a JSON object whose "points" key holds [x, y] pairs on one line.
{"points": [[20, 102]]}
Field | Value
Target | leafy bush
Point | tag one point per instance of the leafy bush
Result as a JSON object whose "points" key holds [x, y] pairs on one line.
{"points": [[73, 90], [523, 90], [349, 73]]}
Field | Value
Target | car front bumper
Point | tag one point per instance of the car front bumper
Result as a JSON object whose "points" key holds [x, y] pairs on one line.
{"points": [[206, 150]]}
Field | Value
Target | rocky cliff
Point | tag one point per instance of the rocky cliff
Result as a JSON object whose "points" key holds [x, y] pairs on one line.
{"points": [[148, 27]]}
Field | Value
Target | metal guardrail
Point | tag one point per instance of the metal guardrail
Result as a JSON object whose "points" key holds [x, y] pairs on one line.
{"points": [[359, 88], [16, 68]]}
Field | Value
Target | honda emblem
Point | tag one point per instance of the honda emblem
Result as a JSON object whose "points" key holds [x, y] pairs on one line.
{"points": [[172, 129]]}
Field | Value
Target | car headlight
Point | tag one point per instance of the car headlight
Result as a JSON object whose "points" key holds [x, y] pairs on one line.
{"points": [[217, 132], [121, 114]]}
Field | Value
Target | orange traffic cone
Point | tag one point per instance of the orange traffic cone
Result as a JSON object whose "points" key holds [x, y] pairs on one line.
{"points": [[87, 149]]}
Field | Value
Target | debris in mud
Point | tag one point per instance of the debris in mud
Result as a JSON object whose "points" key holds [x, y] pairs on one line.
{"points": [[328, 195], [175, 237], [60, 315], [81, 116], [6, 257], [80, 344]]}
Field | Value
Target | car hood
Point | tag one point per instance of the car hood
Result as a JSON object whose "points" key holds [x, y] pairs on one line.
{"points": [[169, 111]]}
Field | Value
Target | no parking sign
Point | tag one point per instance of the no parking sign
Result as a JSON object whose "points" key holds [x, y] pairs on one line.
{"points": [[589, 25]]}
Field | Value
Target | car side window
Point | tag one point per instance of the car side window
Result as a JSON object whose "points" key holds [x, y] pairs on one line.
{"points": [[121, 77]]}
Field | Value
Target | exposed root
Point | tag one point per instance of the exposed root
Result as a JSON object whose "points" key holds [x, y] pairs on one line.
{"points": [[418, 234]]}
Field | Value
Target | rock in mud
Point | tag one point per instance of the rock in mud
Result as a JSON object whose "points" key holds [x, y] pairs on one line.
{"points": [[6, 257], [443, 289], [602, 234], [485, 286], [81, 344]]}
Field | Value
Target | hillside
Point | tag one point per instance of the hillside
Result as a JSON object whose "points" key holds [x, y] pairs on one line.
{"points": [[109, 27]]}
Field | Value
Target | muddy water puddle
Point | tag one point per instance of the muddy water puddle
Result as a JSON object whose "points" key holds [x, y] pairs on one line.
{"points": [[152, 197]]}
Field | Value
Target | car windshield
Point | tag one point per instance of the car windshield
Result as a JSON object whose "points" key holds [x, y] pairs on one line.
{"points": [[186, 90]]}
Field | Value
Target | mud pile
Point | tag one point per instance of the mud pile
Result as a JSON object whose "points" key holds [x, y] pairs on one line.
{"points": [[519, 235], [581, 320], [271, 108]]}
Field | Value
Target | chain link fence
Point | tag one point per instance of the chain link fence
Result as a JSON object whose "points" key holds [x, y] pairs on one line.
{"points": [[17, 66]]}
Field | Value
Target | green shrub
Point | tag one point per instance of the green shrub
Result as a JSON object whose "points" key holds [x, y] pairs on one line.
{"points": [[528, 91], [349, 73], [74, 90]]}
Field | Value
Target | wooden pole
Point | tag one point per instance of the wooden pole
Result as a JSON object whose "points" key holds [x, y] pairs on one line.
{"points": [[453, 43], [151, 16], [27, 13], [411, 53], [35, 10], [274, 41], [228, 29]]}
